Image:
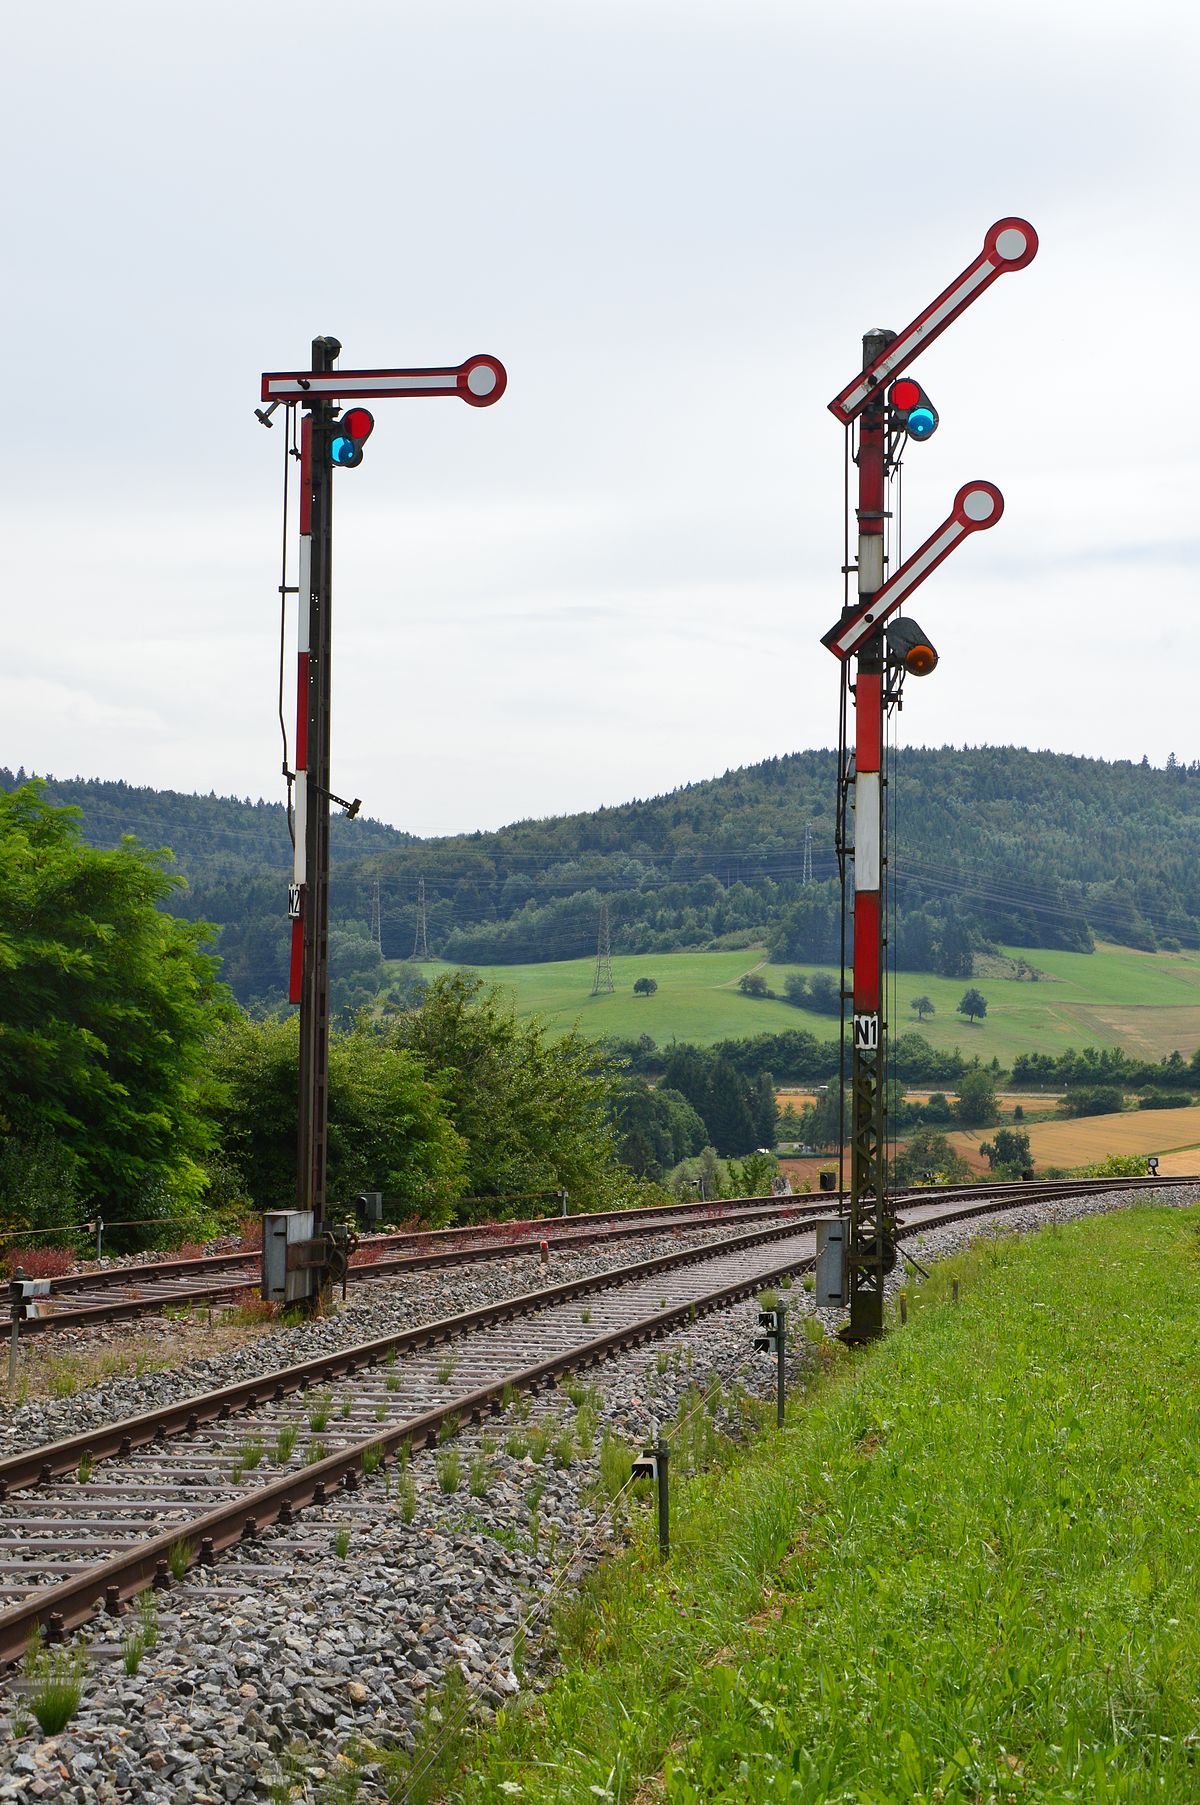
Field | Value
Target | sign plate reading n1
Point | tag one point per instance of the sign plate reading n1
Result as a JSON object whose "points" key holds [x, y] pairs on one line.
{"points": [[976, 506], [479, 382], [1010, 244], [866, 1033]]}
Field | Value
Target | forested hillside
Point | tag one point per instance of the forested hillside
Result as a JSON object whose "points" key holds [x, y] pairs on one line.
{"points": [[989, 844]]}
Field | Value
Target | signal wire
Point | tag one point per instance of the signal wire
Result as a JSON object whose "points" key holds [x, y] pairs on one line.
{"points": [[287, 470]]}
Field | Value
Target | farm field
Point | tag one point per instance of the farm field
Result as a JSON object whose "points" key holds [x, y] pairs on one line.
{"points": [[1085, 1140], [1147, 1003]]}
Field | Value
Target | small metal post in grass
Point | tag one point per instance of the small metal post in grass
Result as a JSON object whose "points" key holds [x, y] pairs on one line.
{"points": [[564, 1196], [18, 1307], [954, 1289], [653, 1463], [780, 1362], [903, 1307]]}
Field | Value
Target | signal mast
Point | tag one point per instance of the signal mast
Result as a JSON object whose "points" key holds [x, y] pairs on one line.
{"points": [[330, 440], [889, 409]]}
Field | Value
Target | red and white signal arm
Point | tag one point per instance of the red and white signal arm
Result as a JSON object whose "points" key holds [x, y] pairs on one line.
{"points": [[480, 382], [1010, 244], [977, 506]]}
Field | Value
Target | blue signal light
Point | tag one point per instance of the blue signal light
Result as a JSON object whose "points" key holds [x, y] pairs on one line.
{"points": [[910, 410], [348, 437]]}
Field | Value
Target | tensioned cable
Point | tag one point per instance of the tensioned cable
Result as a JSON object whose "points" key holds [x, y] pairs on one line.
{"points": [[287, 470]]}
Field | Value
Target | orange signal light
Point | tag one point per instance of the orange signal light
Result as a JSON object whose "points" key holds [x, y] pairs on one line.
{"points": [[920, 660]]}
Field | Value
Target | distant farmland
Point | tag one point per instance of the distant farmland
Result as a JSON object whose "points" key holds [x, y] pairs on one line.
{"points": [[1147, 1003], [1086, 1140]]}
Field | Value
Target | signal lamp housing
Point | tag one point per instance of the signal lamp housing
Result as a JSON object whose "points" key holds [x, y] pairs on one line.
{"points": [[910, 647], [349, 435], [910, 410]]}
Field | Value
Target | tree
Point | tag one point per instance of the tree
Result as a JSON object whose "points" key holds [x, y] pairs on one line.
{"points": [[973, 1003], [929, 1152], [532, 1109], [923, 1007], [644, 987], [976, 1100], [1007, 1151], [106, 1005], [389, 1128], [824, 994], [753, 984]]}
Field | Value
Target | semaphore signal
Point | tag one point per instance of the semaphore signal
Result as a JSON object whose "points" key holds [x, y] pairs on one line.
{"points": [[329, 440], [890, 410]]}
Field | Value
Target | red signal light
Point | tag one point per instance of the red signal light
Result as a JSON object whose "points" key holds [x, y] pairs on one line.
{"points": [[358, 423], [905, 394]]}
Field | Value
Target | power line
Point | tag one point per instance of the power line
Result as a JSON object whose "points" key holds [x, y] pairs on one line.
{"points": [[602, 983]]}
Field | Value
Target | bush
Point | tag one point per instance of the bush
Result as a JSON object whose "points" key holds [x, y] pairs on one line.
{"points": [[39, 1185], [38, 1262], [1164, 1100], [1097, 1100]]}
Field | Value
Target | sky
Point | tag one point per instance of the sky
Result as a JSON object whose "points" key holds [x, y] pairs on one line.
{"points": [[672, 220]]}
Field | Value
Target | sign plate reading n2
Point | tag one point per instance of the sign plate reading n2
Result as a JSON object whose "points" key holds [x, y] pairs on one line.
{"points": [[1010, 244], [480, 381], [976, 506]]}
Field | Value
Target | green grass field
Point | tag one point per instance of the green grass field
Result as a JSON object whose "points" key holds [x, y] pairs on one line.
{"points": [[965, 1571], [1147, 1003]]}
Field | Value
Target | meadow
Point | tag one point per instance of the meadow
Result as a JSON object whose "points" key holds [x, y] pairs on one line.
{"points": [[965, 1571], [1146, 1003]]}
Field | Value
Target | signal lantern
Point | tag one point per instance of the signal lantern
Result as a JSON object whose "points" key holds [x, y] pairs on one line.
{"points": [[911, 410], [909, 646], [349, 435]]}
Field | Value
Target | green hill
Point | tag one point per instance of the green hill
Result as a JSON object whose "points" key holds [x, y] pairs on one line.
{"points": [[1146, 1004], [992, 846]]}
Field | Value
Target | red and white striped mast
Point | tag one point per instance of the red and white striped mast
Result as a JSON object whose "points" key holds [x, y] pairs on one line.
{"points": [[862, 633]]}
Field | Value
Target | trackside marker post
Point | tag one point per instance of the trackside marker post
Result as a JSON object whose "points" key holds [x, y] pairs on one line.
{"points": [[887, 414], [328, 441]]}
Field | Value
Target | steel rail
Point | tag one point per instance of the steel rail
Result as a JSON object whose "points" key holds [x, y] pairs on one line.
{"points": [[600, 1225], [65, 1605]]}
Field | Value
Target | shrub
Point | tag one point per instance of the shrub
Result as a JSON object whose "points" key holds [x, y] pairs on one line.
{"points": [[39, 1262], [1094, 1100]]}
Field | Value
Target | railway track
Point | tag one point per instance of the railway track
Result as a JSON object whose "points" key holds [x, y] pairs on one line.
{"points": [[89, 1522], [79, 1300]]}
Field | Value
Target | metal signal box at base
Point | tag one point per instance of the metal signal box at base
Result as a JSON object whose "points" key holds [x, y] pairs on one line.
{"points": [[831, 1266]]}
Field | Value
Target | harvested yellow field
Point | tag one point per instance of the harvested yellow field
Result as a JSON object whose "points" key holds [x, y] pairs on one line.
{"points": [[1084, 1140]]}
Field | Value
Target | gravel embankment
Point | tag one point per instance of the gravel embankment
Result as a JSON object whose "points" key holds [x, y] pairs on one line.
{"points": [[286, 1653]]}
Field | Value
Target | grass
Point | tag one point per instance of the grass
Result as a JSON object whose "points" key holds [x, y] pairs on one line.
{"points": [[964, 1573], [341, 1541], [449, 1469], [285, 1441], [55, 1684], [179, 1557], [1148, 1003], [479, 1476]]}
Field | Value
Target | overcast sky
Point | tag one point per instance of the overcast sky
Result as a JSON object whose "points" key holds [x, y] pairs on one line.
{"points": [[673, 220]]}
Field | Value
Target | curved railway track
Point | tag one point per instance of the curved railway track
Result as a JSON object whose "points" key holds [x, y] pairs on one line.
{"points": [[89, 1522], [78, 1300]]}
